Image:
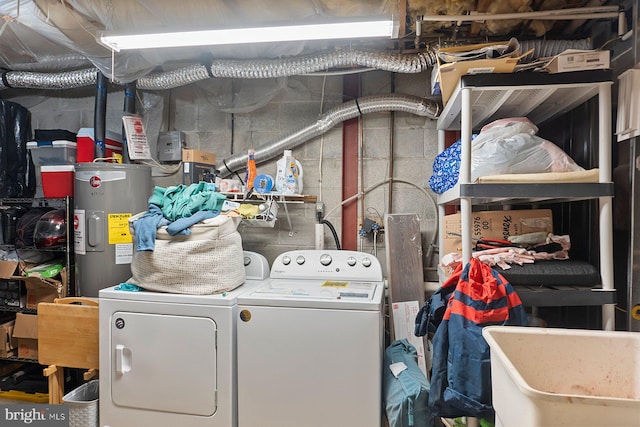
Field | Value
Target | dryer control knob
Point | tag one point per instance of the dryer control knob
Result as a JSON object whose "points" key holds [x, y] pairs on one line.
{"points": [[325, 259], [366, 262], [351, 261], [300, 259], [286, 260]]}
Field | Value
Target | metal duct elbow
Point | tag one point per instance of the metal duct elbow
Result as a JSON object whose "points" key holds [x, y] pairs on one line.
{"points": [[349, 110], [176, 78]]}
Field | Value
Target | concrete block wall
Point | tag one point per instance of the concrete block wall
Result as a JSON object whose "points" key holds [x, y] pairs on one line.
{"points": [[227, 116]]}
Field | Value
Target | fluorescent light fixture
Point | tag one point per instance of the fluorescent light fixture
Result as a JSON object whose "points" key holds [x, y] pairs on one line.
{"points": [[354, 28]]}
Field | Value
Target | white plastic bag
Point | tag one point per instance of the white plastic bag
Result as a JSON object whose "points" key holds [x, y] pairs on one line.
{"points": [[510, 146]]}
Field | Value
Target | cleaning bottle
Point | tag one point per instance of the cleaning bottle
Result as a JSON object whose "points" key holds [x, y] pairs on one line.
{"points": [[288, 168], [251, 168]]}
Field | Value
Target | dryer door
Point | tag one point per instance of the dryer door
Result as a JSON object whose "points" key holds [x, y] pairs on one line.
{"points": [[163, 363]]}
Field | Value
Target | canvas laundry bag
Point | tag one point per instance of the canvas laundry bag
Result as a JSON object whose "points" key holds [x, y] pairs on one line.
{"points": [[209, 260]]}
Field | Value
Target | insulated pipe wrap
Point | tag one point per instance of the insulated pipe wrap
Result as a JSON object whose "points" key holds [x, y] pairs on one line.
{"points": [[349, 110]]}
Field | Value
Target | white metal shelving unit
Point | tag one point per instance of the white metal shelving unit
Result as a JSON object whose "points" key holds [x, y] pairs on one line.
{"points": [[480, 99]]}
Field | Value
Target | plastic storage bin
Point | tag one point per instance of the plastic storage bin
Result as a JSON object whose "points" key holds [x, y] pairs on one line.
{"points": [[83, 405], [86, 144], [564, 377], [53, 152]]}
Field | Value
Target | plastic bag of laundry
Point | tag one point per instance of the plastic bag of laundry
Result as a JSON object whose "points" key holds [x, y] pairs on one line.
{"points": [[17, 171], [511, 146]]}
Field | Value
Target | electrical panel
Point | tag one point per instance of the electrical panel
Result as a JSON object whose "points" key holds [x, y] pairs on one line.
{"points": [[170, 145]]}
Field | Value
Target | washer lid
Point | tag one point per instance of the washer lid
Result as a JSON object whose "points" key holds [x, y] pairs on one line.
{"points": [[337, 294]]}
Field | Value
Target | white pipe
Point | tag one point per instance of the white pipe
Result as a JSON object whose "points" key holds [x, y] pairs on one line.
{"points": [[563, 14]]}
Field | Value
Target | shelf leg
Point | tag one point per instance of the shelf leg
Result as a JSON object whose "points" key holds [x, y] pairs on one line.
{"points": [[466, 127], [605, 203]]}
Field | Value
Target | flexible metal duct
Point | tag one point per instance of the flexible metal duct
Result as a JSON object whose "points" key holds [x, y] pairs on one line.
{"points": [[64, 80], [348, 110], [304, 64], [241, 69], [546, 48], [268, 68]]}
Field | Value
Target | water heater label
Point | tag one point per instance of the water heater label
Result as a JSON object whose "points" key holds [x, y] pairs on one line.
{"points": [[118, 227], [137, 144], [124, 253], [79, 232], [97, 178]]}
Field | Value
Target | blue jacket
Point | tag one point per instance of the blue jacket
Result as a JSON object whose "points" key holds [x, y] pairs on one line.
{"points": [[461, 371]]}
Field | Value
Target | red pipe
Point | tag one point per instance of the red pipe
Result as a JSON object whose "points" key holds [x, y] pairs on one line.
{"points": [[351, 91]]}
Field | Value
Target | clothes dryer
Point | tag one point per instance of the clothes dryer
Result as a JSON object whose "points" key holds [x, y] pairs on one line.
{"points": [[310, 342], [168, 360]]}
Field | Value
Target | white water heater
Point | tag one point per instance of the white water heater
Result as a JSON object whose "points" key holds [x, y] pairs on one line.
{"points": [[106, 196]]}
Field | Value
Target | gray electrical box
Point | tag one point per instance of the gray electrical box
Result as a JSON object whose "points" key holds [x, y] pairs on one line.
{"points": [[170, 145]]}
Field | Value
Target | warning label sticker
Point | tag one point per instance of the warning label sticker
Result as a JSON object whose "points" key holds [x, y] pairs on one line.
{"points": [[335, 284], [118, 228]]}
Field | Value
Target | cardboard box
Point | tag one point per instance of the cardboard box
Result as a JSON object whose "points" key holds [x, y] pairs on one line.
{"points": [[38, 289], [197, 166], [198, 156], [449, 74], [496, 225], [579, 60], [42, 290], [8, 343], [26, 332], [8, 269]]}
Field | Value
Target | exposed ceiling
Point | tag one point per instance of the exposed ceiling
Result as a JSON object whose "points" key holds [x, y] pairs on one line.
{"points": [[60, 35]]}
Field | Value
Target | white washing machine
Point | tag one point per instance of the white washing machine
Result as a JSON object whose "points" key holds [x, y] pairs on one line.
{"points": [[310, 343], [169, 359]]}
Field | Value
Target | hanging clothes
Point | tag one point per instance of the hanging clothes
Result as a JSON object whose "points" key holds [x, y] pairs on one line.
{"points": [[476, 296]]}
